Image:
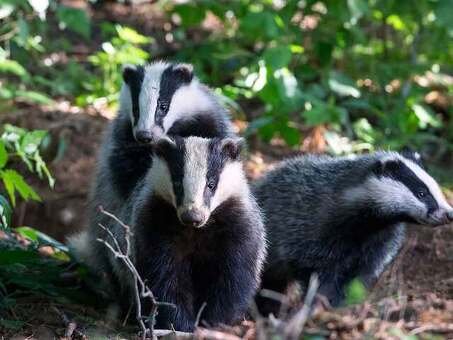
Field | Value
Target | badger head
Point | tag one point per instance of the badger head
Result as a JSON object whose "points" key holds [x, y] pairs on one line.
{"points": [[399, 186], [155, 96], [196, 175]]}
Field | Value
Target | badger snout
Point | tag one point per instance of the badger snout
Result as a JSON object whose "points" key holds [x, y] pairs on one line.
{"points": [[441, 217], [144, 137], [193, 218]]}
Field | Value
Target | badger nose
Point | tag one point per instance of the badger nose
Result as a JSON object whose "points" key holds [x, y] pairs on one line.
{"points": [[192, 218], [144, 137]]}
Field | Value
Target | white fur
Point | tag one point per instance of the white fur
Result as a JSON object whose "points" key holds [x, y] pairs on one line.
{"points": [[80, 245], [195, 170], [149, 94], [160, 183], [186, 101], [232, 182], [126, 102], [387, 194]]}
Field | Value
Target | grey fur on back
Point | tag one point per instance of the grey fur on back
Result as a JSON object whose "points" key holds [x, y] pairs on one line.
{"points": [[306, 220]]}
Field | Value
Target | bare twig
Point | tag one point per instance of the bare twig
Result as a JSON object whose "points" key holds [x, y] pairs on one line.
{"points": [[296, 324], [141, 290], [200, 311], [71, 325]]}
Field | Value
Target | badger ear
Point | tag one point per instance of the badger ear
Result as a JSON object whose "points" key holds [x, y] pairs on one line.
{"points": [[132, 73], [386, 166], [184, 71], [412, 155], [232, 147], [164, 145]]}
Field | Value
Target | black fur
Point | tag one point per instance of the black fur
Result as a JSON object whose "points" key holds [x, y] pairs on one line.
{"points": [[172, 78], [203, 124], [187, 266], [128, 160], [133, 77]]}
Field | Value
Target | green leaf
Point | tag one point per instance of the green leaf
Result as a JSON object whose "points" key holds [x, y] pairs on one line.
{"points": [[355, 292], [12, 66], [34, 97], [191, 14], [5, 212], [278, 57], [3, 155], [357, 8], [74, 19], [444, 13], [28, 233], [131, 36], [257, 124], [260, 25], [343, 85], [426, 116], [290, 134], [32, 140], [9, 257], [15, 182]]}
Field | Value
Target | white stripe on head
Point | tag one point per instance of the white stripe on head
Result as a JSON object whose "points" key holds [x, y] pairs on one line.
{"points": [[186, 101], [149, 95], [160, 182], [195, 170], [388, 194], [430, 183], [232, 183], [126, 102]]}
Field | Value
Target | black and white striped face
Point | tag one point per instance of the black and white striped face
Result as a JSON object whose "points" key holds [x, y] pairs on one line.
{"points": [[401, 186], [196, 175], [158, 95]]}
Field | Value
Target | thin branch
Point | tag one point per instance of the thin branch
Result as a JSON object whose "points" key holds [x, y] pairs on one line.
{"points": [[200, 311], [141, 290], [297, 322]]}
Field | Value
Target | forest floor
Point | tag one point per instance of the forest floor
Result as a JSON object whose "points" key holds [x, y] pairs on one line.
{"points": [[413, 297]]}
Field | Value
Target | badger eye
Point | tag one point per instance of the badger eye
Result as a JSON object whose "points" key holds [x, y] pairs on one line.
{"points": [[421, 194], [163, 106], [211, 185]]}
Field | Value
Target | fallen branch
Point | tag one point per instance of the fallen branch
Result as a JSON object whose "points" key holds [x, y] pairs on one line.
{"points": [[141, 290]]}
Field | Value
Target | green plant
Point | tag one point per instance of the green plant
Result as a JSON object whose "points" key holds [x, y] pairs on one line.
{"points": [[17, 143], [26, 71], [346, 65], [121, 49]]}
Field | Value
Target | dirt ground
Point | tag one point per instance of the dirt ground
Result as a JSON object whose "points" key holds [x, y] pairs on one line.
{"points": [[418, 288]]}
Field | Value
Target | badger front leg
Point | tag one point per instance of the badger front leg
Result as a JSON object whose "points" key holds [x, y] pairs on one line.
{"points": [[228, 288]]}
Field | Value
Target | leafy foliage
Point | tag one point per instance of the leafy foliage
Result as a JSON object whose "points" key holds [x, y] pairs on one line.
{"points": [[22, 144], [361, 69], [324, 63]]}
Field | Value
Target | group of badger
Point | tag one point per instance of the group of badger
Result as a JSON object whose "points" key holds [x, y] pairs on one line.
{"points": [[170, 168]]}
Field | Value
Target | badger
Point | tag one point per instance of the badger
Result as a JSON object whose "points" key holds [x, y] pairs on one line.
{"points": [[155, 100], [198, 236], [341, 218]]}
